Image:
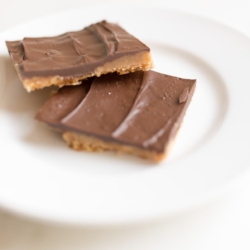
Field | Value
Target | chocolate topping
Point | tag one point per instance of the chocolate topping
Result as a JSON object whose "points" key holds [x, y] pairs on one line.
{"points": [[74, 53], [142, 109]]}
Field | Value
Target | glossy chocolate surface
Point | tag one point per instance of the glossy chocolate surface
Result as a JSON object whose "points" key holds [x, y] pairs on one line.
{"points": [[74, 53], [142, 109]]}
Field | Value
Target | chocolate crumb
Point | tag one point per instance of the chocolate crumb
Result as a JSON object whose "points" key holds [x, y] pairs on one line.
{"points": [[184, 95]]}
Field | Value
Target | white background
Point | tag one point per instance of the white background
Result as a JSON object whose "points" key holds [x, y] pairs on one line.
{"points": [[221, 224]]}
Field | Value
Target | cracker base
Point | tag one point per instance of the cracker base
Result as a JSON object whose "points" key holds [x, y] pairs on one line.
{"points": [[90, 144]]}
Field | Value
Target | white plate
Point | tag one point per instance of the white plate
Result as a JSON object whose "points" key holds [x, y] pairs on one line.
{"points": [[42, 178]]}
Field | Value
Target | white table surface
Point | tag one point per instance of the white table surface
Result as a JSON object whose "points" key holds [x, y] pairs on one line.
{"points": [[221, 224]]}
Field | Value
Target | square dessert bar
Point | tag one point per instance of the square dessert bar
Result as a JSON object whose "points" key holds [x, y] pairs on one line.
{"points": [[67, 59], [138, 113]]}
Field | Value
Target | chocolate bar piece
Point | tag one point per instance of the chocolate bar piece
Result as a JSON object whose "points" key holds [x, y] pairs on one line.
{"points": [[138, 113], [98, 49]]}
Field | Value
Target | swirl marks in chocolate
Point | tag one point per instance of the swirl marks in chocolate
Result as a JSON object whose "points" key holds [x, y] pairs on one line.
{"points": [[155, 112], [73, 53], [106, 105], [141, 109], [105, 36], [65, 101]]}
